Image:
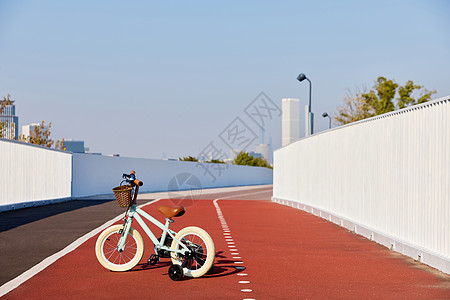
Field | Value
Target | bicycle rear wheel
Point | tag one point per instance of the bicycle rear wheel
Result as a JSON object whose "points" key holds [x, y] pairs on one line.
{"points": [[202, 249], [110, 258]]}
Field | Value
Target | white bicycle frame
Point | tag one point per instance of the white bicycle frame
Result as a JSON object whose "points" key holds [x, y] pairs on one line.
{"points": [[136, 213]]}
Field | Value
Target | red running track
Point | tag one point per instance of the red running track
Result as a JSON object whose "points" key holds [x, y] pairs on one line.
{"points": [[286, 253]]}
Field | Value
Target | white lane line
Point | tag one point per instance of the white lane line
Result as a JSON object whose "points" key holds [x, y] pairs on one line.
{"points": [[234, 196], [12, 284], [231, 246]]}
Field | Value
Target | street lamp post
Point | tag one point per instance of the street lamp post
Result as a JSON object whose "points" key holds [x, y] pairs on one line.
{"points": [[309, 127], [326, 115]]}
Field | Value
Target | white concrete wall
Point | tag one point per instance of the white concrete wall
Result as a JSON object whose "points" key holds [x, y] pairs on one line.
{"points": [[97, 175], [30, 173], [387, 178]]}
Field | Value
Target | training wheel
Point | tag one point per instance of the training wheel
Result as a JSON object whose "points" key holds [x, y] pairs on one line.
{"points": [[175, 272]]}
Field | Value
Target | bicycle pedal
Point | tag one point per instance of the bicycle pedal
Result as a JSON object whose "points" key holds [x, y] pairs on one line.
{"points": [[153, 260]]}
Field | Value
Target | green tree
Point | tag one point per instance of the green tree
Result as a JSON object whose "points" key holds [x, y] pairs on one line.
{"points": [[215, 161], [405, 99], [60, 145], [380, 100], [41, 136], [2, 124], [189, 158], [354, 108], [245, 159]]}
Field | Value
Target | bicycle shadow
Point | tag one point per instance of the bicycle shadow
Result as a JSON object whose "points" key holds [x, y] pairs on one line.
{"points": [[222, 267], [146, 266]]}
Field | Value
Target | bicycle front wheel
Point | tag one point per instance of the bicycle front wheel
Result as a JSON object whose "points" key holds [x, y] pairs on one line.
{"points": [[108, 255], [202, 249]]}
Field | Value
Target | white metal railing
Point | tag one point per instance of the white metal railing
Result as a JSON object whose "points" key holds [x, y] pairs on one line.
{"points": [[389, 174], [31, 173]]}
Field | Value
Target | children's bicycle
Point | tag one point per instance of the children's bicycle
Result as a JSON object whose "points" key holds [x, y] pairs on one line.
{"points": [[121, 247]]}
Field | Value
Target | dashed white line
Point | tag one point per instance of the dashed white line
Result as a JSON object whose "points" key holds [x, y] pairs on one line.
{"points": [[231, 246]]}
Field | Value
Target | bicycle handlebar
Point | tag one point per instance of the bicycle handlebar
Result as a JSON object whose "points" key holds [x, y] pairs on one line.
{"points": [[131, 178]]}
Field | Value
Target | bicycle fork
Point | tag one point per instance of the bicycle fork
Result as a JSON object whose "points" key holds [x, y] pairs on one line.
{"points": [[124, 233]]}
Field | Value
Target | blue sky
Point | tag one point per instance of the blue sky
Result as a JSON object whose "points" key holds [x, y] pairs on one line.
{"points": [[143, 78]]}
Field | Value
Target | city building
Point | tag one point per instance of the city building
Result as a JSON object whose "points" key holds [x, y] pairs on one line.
{"points": [[74, 146], [9, 118], [255, 155], [290, 121], [264, 150]]}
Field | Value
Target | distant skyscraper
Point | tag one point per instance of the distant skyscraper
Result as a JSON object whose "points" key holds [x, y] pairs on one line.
{"points": [[290, 121], [8, 116]]}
